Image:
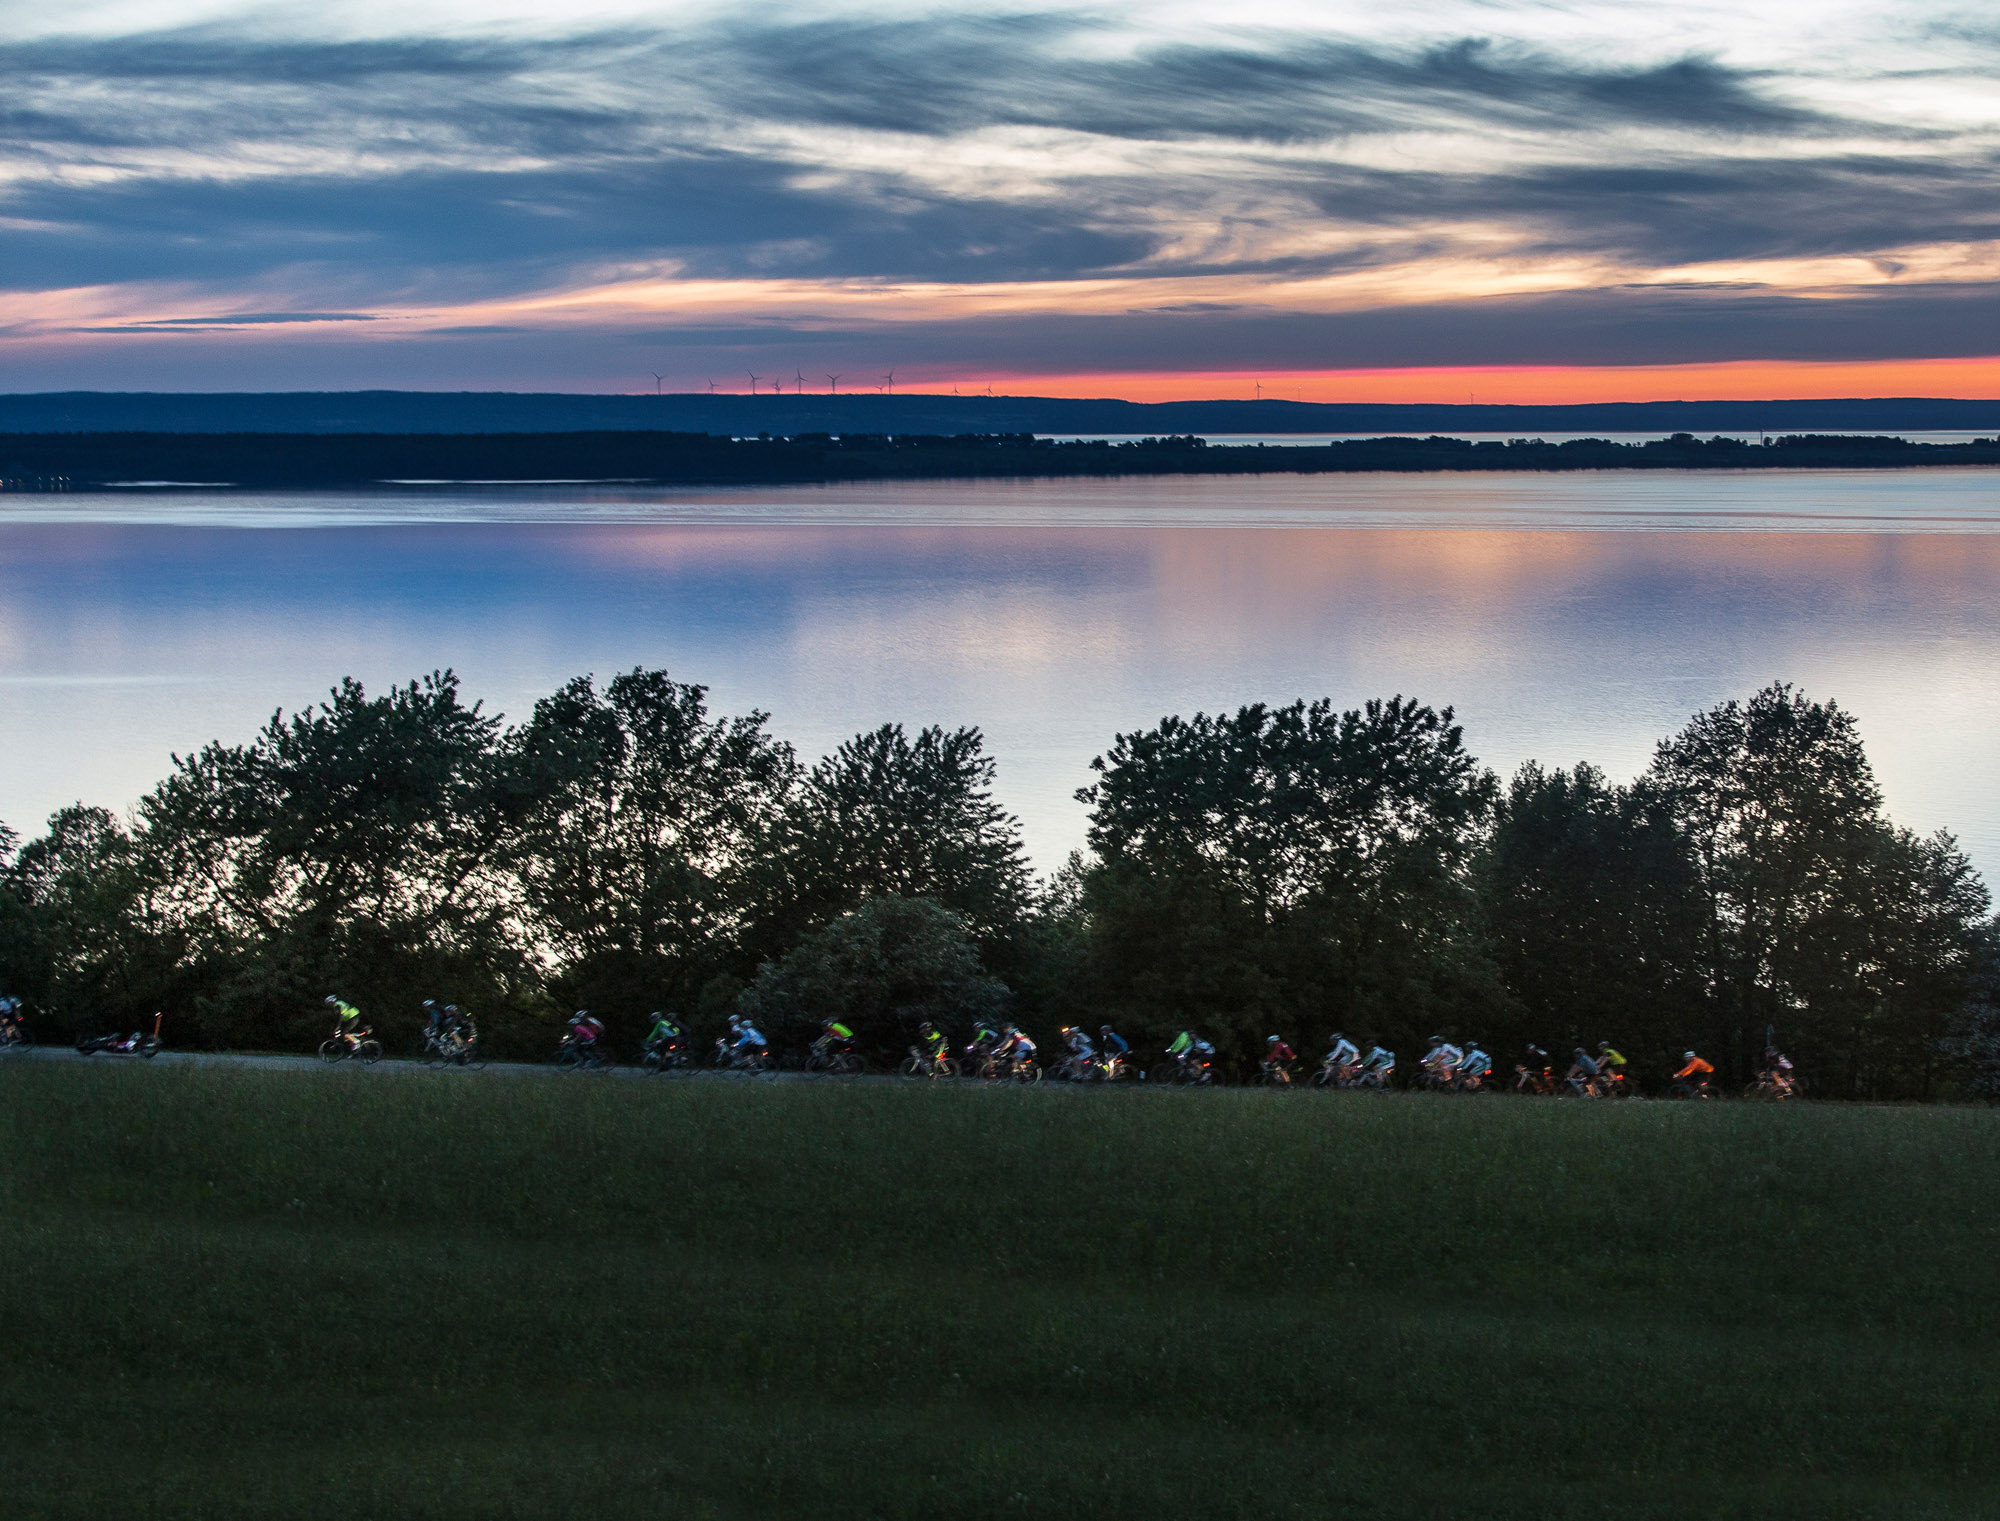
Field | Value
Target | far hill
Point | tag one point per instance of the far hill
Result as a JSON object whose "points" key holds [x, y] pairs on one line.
{"points": [[878, 413]]}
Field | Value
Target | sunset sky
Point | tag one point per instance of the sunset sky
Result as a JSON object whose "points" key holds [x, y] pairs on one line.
{"points": [[1335, 201]]}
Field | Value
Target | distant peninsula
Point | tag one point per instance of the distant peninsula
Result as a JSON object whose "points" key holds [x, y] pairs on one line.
{"points": [[80, 461]]}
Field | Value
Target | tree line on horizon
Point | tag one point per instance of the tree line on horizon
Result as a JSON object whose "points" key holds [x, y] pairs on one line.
{"points": [[1293, 870]]}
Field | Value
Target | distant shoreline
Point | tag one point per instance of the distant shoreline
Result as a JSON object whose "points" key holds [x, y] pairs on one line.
{"points": [[56, 462]]}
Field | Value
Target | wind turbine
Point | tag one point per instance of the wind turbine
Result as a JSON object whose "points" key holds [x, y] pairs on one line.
{"points": [[753, 382], [658, 380], [798, 376], [889, 381], [1260, 390], [833, 385], [711, 388]]}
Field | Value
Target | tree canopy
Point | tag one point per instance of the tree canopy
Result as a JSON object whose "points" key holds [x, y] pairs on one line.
{"points": [[1293, 869]]}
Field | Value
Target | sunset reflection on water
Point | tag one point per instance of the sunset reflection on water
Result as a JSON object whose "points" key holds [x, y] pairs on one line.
{"points": [[121, 641]]}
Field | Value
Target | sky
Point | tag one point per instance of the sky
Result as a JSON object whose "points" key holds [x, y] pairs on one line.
{"points": [[1433, 200]]}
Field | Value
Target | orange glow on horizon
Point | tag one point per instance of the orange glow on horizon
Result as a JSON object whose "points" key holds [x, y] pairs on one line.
{"points": [[1527, 385]]}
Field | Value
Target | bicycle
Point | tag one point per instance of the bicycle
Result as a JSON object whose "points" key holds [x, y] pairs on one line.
{"points": [[1274, 1074], [835, 1061], [575, 1055], [1775, 1086], [1696, 1088], [917, 1064], [351, 1045], [756, 1062], [668, 1057], [15, 1034], [1185, 1072]]}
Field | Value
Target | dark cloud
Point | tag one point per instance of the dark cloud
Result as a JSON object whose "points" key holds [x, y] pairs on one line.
{"points": [[499, 165]]}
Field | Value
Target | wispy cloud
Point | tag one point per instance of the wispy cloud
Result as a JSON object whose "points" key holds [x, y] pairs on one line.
{"points": [[218, 180]]}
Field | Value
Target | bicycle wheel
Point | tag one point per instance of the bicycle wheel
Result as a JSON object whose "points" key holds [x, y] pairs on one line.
{"points": [[912, 1067], [370, 1051], [332, 1050]]}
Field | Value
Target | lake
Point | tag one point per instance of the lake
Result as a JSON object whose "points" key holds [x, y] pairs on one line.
{"points": [[1566, 617]]}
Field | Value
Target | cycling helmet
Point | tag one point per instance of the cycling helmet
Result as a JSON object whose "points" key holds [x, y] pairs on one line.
{"points": [[1270, 1040], [451, 1008], [1687, 1056], [331, 999]]}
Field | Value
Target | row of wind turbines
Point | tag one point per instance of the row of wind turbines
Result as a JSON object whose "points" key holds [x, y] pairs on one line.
{"points": [[887, 383]]}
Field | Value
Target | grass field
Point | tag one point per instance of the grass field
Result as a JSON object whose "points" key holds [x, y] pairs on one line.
{"points": [[349, 1294]]}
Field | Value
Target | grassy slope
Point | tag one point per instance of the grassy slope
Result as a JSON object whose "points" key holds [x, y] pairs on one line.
{"points": [[334, 1294]]}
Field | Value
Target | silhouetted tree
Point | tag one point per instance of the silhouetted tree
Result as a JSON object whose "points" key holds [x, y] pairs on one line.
{"points": [[882, 969], [1294, 869], [649, 820], [1590, 898], [358, 847], [1851, 937], [886, 814]]}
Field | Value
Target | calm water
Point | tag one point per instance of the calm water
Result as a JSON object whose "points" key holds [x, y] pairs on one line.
{"points": [[1567, 617]]}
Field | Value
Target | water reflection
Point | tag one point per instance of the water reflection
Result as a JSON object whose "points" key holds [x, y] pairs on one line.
{"points": [[121, 641]]}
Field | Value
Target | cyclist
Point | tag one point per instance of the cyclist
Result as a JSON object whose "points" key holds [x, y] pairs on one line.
{"points": [[1116, 1048], [931, 1044], [346, 1020], [1078, 1052], [1019, 1045], [1777, 1069], [435, 1025], [1582, 1074], [1182, 1047], [1611, 1063], [585, 1030], [1694, 1071], [1278, 1058], [10, 1019], [1475, 1068], [1442, 1060], [1530, 1077], [666, 1033], [833, 1036], [985, 1042], [1379, 1066], [749, 1042], [1345, 1054]]}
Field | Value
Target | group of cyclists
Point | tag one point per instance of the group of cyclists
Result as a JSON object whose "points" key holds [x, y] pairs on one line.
{"points": [[1004, 1051]]}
